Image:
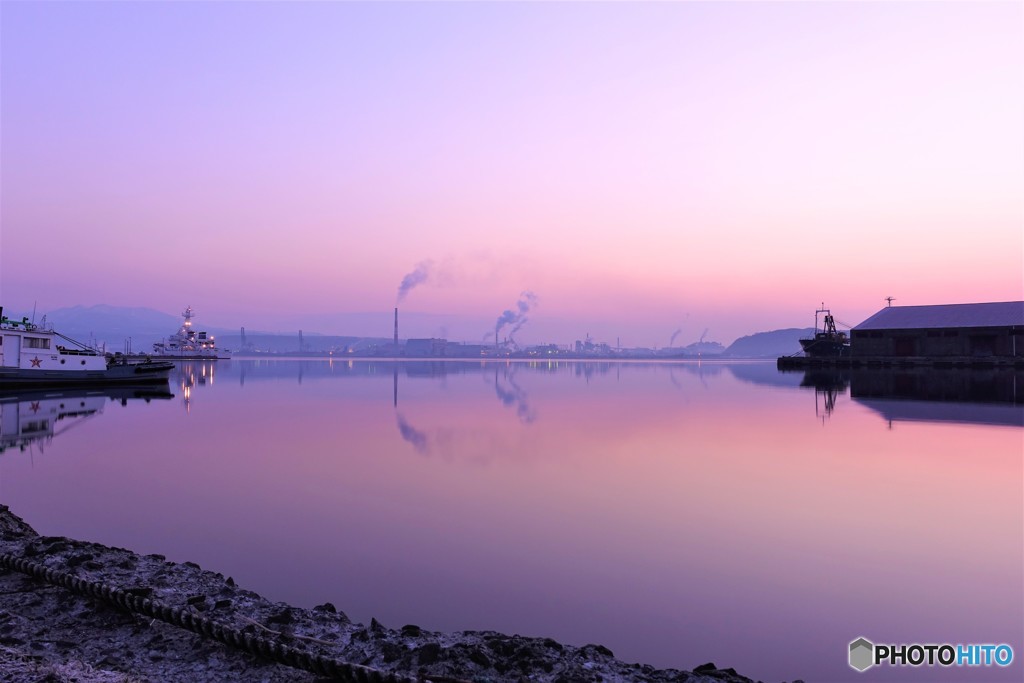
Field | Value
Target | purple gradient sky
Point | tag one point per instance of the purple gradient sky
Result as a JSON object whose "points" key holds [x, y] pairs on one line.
{"points": [[641, 167]]}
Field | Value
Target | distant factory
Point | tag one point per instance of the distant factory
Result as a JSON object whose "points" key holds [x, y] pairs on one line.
{"points": [[496, 345]]}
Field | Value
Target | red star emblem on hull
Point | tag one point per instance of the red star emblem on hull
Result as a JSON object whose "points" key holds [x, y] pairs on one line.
{"points": [[36, 362], [35, 407]]}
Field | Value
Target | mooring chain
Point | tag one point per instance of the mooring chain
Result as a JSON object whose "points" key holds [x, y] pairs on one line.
{"points": [[254, 644]]}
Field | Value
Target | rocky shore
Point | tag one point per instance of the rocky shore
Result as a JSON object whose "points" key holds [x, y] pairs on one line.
{"points": [[52, 633]]}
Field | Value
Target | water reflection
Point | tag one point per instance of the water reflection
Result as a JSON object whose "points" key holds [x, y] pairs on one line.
{"points": [[673, 512], [188, 375], [511, 394], [890, 393], [508, 390], [33, 419], [416, 437], [828, 387], [992, 397]]}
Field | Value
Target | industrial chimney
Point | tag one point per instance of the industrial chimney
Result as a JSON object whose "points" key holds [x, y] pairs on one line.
{"points": [[396, 329]]}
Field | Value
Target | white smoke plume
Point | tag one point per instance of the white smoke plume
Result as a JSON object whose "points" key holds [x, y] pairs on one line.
{"points": [[516, 318], [420, 274]]}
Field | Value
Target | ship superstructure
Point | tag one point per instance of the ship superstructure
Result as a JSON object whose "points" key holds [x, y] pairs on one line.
{"points": [[188, 342]]}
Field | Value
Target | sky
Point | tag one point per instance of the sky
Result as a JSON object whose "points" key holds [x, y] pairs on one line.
{"points": [[641, 168]]}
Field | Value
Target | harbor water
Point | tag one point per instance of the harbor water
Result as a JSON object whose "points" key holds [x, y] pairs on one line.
{"points": [[676, 513]]}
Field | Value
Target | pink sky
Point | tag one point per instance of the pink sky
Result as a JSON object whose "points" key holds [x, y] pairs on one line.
{"points": [[641, 167]]}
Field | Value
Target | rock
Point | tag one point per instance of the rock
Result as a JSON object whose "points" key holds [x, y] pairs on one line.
{"points": [[390, 652], [553, 644], [76, 560], [110, 645], [428, 654], [599, 649], [282, 617], [477, 656]]}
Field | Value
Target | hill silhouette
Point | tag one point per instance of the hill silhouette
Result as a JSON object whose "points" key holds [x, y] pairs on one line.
{"points": [[769, 344]]}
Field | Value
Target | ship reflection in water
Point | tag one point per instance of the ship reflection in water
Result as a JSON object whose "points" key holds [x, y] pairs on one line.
{"points": [[34, 418], [988, 397], [187, 375]]}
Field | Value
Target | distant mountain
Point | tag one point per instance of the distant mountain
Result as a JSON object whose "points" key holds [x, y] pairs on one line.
{"points": [[704, 349], [289, 343], [114, 318], [694, 349], [110, 324], [769, 344]]}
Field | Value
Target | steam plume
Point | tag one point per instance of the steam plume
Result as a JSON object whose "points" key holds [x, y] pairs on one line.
{"points": [[516, 318], [674, 335], [420, 274]]}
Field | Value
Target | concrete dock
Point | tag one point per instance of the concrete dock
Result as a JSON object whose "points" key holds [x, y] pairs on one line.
{"points": [[947, 362]]}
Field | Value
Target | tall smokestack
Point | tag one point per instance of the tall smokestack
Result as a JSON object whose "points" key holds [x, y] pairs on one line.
{"points": [[396, 329]]}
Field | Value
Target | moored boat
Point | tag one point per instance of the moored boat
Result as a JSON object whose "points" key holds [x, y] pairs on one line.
{"points": [[187, 343], [828, 342], [38, 356]]}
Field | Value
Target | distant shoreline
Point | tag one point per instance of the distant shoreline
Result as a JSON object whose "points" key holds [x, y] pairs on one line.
{"points": [[483, 359]]}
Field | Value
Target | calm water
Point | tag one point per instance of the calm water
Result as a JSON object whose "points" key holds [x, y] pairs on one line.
{"points": [[675, 513]]}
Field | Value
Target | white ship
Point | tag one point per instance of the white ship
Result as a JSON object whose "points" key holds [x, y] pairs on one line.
{"points": [[187, 343], [37, 356]]}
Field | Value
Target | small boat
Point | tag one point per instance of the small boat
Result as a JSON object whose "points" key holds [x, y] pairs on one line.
{"points": [[188, 344], [829, 342], [37, 356]]}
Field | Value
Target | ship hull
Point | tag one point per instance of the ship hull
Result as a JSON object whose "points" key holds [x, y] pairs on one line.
{"points": [[825, 348], [138, 373]]}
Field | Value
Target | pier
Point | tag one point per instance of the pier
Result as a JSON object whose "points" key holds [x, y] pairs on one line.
{"points": [[943, 362]]}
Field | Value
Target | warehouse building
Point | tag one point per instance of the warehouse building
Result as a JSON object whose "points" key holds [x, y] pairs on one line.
{"points": [[425, 348], [949, 331]]}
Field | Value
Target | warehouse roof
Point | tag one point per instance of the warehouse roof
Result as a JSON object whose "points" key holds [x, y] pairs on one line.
{"points": [[1000, 314]]}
